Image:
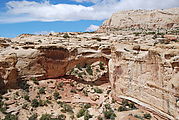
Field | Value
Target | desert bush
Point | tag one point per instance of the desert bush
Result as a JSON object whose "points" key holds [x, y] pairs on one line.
{"points": [[122, 108], [35, 103], [126, 105], [87, 116], [46, 117], [60, 85], [10, 117], [35, 81], [24, 85], [42, 90], [81, 112], [99, 118], [89, 69], [61, 117], [42, 103], [79, 67], [66, 108], [85, 92], [147, 116], [101, 65], [33, 117], [56, 95], [26, 97], [87, 105], [97, 90], [66, 35], [109, 114]]}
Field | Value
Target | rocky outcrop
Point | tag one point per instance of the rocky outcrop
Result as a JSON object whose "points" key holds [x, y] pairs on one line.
{"points": [[8, 71], [149, 77], [153, 20], [43, 57]]}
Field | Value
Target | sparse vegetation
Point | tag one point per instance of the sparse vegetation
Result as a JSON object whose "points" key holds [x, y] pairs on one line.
{"points": [[101, 65], [66, 35], [42, 90], [10, 117], [66, 108], [89, 69], [60, 85], [85, 92], [35, 103], [56, 95], [126, 105], [24, 85], [26, 97], [109, 113], [98, 90], [147, 116], [46, 117], [35, 80], [33, 117]]}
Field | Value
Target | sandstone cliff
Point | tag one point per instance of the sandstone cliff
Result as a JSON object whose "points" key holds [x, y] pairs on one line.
{"points": [[142, 20]]}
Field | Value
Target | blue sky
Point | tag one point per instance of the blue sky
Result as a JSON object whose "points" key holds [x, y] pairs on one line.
{"points": [[43, 16]]}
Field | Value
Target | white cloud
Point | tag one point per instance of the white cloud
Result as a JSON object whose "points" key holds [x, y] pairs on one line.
{"points": [[23, 11], [93, 1], [92, 28], [43, 32]]}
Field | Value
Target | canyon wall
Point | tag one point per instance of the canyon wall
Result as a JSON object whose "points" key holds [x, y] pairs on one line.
{"points": [[147, 76]]}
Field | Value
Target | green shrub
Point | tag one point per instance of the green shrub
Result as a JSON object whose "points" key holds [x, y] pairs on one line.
{"points": [[79, 67], [87, 116], [3, 109], [60, 85], [42, 90], [101, 65], [35, 103], [107, 106], [66, 35], [24, 85], [42, 103], [46, 117], [1, 103], [97, 90], [109, 114], [122, 108], [10, 117], [99, 118], [35, 81], [81, 112], [61, 117], [89, 70], [33, 117], [85, 92], [56, 95], [66, 108], [147, 116], [26, 97], [86, 106]]}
